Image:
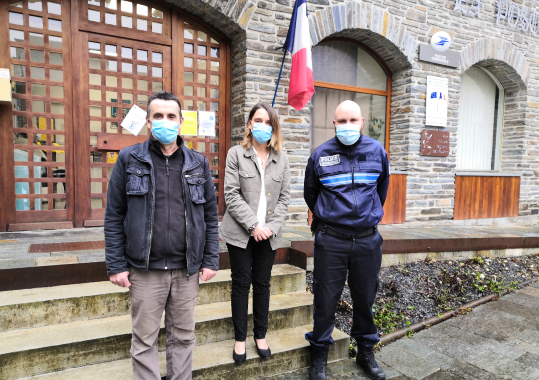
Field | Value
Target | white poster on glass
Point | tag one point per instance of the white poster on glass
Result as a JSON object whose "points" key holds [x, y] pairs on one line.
{"points": [[135, 120], [437, 101], [206, 123]]}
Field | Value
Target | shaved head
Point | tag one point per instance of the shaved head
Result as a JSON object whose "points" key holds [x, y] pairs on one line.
{"points": [[348, 112], [347, 106]]}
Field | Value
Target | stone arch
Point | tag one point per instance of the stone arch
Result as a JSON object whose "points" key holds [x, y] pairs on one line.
{"points": [[503, 59], [373, 26], [511, 68], [229, 17]]}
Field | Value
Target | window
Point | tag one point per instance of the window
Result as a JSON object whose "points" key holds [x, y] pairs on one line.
{"points": [[480, 121], [39, 136], [345, 71]]}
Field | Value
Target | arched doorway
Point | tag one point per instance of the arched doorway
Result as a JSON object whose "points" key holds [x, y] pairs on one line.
{"points": [[345, 69]]}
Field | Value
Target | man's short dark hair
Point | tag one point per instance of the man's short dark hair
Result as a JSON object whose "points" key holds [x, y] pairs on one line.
{"points": [[164, 95]]}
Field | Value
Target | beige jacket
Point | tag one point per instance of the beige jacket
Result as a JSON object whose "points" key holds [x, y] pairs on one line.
{"points": [[242, 195]]}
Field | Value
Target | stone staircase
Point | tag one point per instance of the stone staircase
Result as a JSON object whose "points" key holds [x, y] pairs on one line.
{"points": [[83, 331]]}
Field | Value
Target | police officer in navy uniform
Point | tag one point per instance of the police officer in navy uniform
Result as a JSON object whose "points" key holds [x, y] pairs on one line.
{"points": [[346, 183]]}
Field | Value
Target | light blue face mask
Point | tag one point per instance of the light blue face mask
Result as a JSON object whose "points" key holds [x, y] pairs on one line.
{"points": [[348, 134], [262, 132], [166, 131]]}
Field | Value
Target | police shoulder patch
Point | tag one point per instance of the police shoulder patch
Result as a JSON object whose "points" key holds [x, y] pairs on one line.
{"points": [[330, 160]]}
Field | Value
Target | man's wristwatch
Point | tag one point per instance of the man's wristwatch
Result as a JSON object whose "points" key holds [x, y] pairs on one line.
{"points": [[252, 228]]}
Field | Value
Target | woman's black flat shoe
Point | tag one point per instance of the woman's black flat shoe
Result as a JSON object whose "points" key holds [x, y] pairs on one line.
{"points": [[239, 358], [262, 353]]}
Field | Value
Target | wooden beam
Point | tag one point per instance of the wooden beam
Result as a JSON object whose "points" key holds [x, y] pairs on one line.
{"points": [[108, 142], [13, 227]]}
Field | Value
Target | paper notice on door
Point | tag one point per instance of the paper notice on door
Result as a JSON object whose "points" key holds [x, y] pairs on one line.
{"points": [[189, 127], [134, 120], [206, 123]]}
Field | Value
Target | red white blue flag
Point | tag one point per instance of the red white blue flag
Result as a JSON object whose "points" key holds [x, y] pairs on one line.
{"points": [[298, 42]]}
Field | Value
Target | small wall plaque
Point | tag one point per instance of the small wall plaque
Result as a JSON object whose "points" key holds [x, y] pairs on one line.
{"points": [[434, 143]]}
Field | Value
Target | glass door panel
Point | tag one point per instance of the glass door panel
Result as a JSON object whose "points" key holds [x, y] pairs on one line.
{"points": [[41, 113]]}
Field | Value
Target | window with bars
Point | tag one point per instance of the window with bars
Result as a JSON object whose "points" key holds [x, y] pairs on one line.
{"points": [[127, 14], [120, 73], [136, 19], [201, 90], [36, 46]]}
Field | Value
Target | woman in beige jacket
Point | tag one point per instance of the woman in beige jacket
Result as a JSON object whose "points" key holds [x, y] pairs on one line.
{"points": [[257, 193]]}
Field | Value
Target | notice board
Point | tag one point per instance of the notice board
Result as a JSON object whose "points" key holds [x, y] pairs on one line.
{"points": [[437, 98], [434, 143]]}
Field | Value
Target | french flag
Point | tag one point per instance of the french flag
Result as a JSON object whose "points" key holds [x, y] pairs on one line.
{"points": [[298, 42]]}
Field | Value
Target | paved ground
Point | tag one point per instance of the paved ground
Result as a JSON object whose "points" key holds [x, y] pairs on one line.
{"points": [[14, 245], [499, 340]]}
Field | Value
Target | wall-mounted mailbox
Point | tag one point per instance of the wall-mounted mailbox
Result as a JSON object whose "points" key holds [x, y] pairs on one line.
{"points": [[5, 86]]}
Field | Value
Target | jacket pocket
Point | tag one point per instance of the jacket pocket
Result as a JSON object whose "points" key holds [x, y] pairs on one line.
{"points": [[248, 182], [196, 188], [370, 166], [278, 178], [138, 180]]}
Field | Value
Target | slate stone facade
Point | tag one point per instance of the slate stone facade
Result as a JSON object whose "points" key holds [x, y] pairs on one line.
{"points": [[394, 30]]}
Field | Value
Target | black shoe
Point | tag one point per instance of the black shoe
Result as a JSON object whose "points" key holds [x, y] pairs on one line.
{"points": [[262, 353], [319, 360], [365, 359], [239, 358]]}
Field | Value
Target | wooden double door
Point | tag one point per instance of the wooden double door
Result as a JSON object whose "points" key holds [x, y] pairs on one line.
{"points": [[77, 67]]}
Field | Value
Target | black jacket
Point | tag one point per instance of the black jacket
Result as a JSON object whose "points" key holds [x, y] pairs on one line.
{"points": [[346, 185], [130, 212], [168, 238]]}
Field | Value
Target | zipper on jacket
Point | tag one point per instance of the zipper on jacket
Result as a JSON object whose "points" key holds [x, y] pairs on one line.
{"points": [[186, 225], [151, 219], [168, 215], [353, 190]]}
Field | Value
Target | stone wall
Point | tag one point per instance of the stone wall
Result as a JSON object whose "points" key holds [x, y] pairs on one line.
{"points": [[394, 31]]}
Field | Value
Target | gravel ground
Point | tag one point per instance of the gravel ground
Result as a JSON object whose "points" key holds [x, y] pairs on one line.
{"points": [[413, 292]]}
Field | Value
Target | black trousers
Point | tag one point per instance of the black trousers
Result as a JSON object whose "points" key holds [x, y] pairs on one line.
{"points": [[251, 265], [333, 259]]}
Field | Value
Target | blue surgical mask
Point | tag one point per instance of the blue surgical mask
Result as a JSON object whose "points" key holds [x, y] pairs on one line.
{"points": [[348, 134], [166, 131], [262, 132]]}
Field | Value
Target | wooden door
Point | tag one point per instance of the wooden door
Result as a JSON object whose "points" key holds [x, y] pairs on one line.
{"points": [[115, 73], [202, 78], [77, 68], [41, 187], [124, 58]]}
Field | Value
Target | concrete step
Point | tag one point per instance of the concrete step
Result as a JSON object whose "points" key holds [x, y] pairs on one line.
{"points": [[213, 361], [30, 308], [58, 347]]}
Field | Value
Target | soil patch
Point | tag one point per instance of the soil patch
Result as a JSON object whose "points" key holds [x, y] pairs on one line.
{"points": [[413, 292]]}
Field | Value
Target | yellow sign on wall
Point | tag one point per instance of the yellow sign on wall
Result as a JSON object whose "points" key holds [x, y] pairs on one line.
{"points": [[112, 157], [189, 127]]}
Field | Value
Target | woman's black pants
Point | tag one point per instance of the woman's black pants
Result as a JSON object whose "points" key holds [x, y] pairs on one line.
{"points": [[251, 265]]}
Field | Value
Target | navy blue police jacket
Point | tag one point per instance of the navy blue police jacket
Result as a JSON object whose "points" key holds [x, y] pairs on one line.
{"points": [[346, 185]]}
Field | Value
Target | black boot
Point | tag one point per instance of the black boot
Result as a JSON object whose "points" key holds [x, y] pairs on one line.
{"points": [[365, 359], [319, 360]]}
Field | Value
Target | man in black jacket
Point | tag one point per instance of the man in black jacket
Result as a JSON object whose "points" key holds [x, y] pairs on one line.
{"points": [[160, 232]]}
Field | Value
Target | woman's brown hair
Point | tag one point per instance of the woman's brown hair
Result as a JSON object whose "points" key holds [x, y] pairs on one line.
{"points": [[276, 137]]}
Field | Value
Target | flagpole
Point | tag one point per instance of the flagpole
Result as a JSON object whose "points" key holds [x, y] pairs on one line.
{"points": [[279, 79]]}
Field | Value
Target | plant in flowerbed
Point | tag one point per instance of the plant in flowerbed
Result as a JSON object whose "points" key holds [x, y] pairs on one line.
{"points": [[413, 292]]}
